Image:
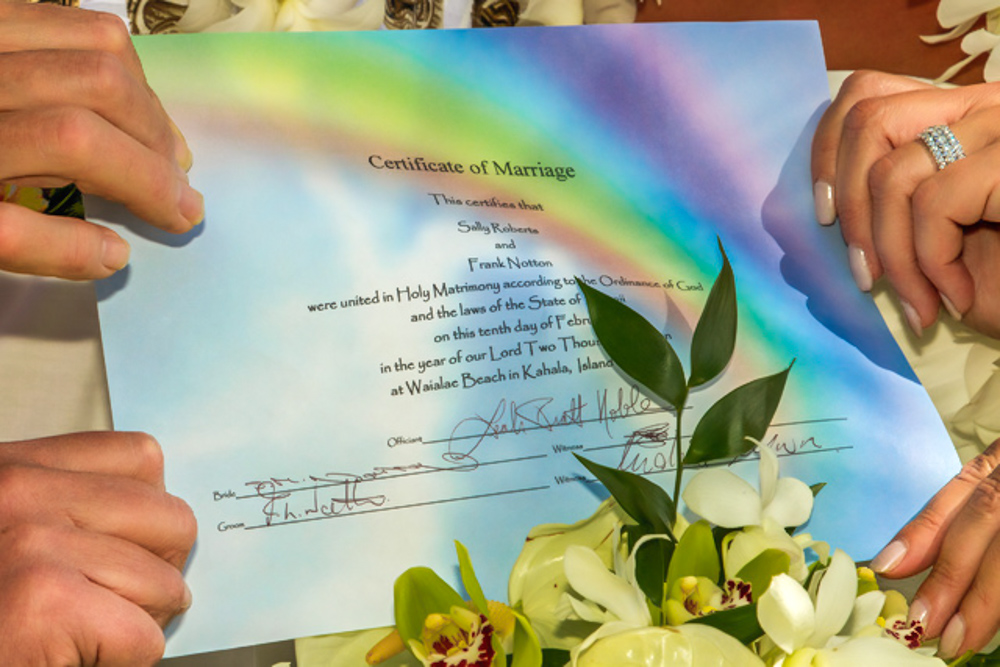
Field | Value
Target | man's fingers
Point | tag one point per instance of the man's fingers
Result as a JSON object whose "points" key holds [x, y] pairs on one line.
{"points": [[91, 79], [119, 566], [110, 505], [53, 613], [31, 242], [66, 142], [134, 455], [60, 28]]}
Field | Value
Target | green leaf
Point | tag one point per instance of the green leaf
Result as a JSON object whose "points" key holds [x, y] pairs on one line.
{"points": [[645, 501], [527, 648], [695, 555], [651, 562], [418, 592], [715, 335], [746, 411], [469, 580], [636, 347], [759, 572], [66, 201], [816, 488], [554, 657], [740, 622]]}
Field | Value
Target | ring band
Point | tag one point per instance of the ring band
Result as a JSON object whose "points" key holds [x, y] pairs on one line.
{"points": [[942, 144]]}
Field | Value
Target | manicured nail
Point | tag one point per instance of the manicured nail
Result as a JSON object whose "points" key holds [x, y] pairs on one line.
{"points": [[192, 205], [859, 268], [826, 212], [115, 251], [889, 557], [918, 612], [952, 637], [912, 318], [950, 307]]}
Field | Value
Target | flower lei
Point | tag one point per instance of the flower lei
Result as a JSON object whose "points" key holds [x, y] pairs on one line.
{"points": [[958, 18]]}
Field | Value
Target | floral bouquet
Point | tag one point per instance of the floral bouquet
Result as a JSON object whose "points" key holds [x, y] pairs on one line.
{"points": [[638, 583]]}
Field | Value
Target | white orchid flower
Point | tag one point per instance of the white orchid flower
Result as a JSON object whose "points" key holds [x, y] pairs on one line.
{"points": [[726, 500], [813, 628], [951, 13]]}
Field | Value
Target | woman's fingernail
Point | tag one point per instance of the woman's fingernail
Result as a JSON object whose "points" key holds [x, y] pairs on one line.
{"points": [[952, 637], [826, 212], [918, 612], [950, 307], [912, 318], [192, 205], [115, 251], [889, 557], [859, 268]]}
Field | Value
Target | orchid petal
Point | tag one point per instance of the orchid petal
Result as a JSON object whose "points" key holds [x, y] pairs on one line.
{"points": [[588, 611], [979, 41], [723, 499], [991, 72], [255, 16], [791, 504], [867, 609], [590, 578], [950, 13], [876, 652], [835, 598], [690, 645], [551, 12], [606, 630], [785, 612], [768, 467], [200, 15], [954, 33], [751, 542]]}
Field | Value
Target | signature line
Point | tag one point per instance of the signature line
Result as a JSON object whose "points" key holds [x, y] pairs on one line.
{"points": [[403, 507]]}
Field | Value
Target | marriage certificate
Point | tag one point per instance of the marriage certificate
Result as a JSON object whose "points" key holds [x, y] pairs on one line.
{"points": [[375, 344]]}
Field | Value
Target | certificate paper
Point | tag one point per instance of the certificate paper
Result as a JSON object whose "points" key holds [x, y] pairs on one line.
{"points": [[375, 346]]}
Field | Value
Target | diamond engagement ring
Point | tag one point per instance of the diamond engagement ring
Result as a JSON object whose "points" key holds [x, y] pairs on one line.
{"points": [[942, 144]]}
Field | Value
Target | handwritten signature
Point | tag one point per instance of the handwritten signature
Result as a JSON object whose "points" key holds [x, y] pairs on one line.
{"points": [[510, 417], [288, 500]]}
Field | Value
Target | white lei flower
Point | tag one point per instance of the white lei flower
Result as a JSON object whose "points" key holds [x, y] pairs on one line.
{"points": [[958, 17]]}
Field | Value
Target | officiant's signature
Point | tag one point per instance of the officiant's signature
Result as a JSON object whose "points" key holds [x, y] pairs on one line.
{"points": [[515, 417]]}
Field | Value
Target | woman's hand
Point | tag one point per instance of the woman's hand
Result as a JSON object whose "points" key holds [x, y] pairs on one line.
{"points": [[75, 108], [932, 233], [958, 533]]}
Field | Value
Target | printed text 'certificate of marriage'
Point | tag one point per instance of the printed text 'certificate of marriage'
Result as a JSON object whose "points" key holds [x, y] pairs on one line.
{"points": [[375, 345]]}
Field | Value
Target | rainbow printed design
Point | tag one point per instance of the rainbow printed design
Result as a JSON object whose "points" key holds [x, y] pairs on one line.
{"points": [[359, 358]]}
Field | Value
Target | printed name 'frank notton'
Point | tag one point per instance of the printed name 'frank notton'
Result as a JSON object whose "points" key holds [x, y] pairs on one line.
{"points": [[507, 263]]}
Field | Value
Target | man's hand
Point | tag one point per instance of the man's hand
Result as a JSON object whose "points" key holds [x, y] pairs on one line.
{"points": [[75, 108], [91, 551]]}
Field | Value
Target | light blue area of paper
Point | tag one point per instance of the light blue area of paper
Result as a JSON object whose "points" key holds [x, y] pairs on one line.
{"points": [[314, 485]]}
